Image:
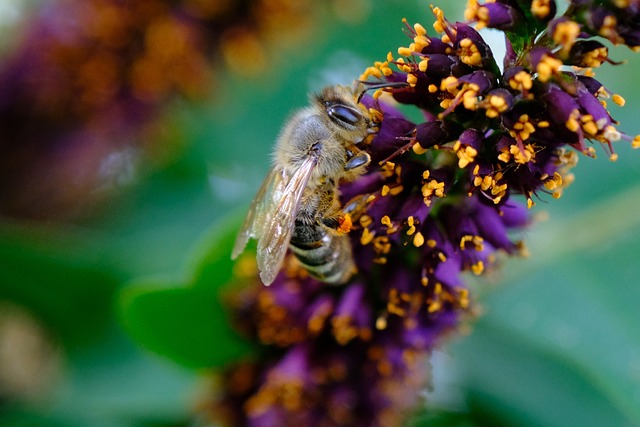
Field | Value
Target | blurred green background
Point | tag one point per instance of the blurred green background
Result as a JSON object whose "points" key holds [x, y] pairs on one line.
{"points": [[558, 341]]}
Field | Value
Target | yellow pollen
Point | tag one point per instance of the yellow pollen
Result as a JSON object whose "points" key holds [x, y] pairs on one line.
{"points": [[394, 191], [565, 34], [547, 67], [404, 51], [477, 268], [469, 53], [439, 24], [390, 57], [381, 245], [412, 79], [420, 42], [554, 182], [419, 29], [613, 157], [523, 128], [636, 142], [590, 128], [522, 157], [432, 188], [449, 84], [596, 57], [418, 240], [541, 8], [367, 237], [466, 156], [388, 169], [425, 174], [521, 81], [476, 241], [381, 323], [618, 99], [608, 28], [432, 88], [345, 224], [495, 105], [418, 149], [385, 190], [371, 72], [365, 221], [530, 203], [422, 66], [463, 297], [431, 243], [572, 122], [385, 220]]}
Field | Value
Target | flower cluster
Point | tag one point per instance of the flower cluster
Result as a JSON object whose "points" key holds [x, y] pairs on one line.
{"points": [[87, 80], [440, 204]]}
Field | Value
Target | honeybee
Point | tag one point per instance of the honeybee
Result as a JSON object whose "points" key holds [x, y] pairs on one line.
{"points": [[297, 206]]}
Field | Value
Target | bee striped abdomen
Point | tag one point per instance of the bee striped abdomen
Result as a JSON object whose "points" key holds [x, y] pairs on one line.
{"points": [[326, 257]]}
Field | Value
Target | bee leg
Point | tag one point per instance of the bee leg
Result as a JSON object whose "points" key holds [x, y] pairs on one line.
{"points": [[357, 206], [342, 221], [357, 160], [331, 222], [338, 224]]}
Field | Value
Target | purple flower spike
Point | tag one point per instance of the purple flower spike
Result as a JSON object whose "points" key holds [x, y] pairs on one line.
{"points": [[439, 205], [498, 15]]}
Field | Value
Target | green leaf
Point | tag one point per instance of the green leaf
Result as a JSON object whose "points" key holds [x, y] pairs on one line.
{"points": [[58, 275], [188, 322], [209, 263]]}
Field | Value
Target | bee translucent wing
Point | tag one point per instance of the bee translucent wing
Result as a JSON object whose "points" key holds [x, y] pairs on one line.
{"points": [[274, 241], [261, 209]]}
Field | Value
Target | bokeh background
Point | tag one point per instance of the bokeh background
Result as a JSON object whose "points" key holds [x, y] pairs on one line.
{"points": [[103, 188]]}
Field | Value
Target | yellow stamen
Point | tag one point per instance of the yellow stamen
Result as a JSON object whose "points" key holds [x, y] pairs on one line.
{"points": [[618, 99], [404, 51], [418, 149], [565, 34], [367, 237], [469, 53], [521, 81], [477, 268], [541, 8], [365, 221]]}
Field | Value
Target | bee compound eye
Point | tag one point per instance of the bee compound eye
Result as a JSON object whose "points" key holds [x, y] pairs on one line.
{"points": [[355, 162], [344, 114]]}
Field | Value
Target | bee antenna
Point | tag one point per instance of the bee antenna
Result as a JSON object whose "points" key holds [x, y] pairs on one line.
{"points": [[363, 86]]}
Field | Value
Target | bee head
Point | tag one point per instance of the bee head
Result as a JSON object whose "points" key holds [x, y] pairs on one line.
{"points": [[347, 117]]}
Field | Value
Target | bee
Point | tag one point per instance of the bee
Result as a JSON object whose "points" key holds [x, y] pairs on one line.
{"points": [[298, 204]]}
